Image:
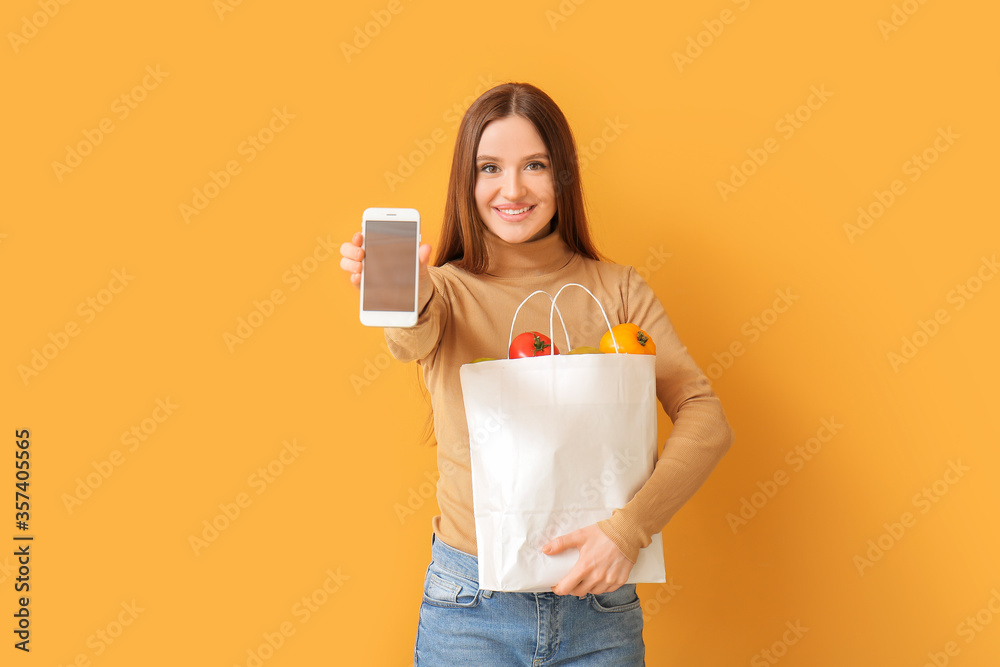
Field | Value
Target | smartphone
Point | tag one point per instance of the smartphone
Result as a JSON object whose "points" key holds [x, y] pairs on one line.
{"points": [[391, 267]]}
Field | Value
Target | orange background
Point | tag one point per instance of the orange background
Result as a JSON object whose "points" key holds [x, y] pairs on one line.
{"points": [[660, 134]]}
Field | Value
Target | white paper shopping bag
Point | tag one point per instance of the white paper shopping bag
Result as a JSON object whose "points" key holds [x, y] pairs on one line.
{"points": [[557, 443]]}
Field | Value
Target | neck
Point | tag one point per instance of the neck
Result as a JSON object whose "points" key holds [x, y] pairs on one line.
{"points": [[528, 258]]}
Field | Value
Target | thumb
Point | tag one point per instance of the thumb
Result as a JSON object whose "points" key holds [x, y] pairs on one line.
{"points": [[558, 544], [424, 257]]}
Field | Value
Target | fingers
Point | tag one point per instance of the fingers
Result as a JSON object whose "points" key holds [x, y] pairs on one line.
{"points": [[577, 585], [600, 568], [350, 265], [352, 255], [582, 583], [350, 261], [352, 249], [611, 588]]}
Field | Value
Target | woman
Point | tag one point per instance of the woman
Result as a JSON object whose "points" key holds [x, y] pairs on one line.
{"points": [[514, 222]]}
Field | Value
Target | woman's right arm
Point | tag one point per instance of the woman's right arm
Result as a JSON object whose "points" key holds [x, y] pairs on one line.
{"points": [[418, 341]]}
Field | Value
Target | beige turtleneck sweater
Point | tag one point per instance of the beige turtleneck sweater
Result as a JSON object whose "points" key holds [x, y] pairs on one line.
{"points": [[465, 316]]}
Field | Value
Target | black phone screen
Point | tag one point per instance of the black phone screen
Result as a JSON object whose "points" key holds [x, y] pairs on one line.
{"points": [[390, 265]]}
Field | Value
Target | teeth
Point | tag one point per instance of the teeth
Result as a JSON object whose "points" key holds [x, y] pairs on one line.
{"points": [[512, 211]]}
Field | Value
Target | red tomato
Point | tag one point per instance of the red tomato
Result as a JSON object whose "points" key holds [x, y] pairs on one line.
{"points": [[531, 344]]}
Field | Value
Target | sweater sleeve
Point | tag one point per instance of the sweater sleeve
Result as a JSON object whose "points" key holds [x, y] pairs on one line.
{"points": [[420, 340], [700, 437]]}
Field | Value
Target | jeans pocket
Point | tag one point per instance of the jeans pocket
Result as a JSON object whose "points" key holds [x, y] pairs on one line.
{"points": [[624, 598], [444, 588]]}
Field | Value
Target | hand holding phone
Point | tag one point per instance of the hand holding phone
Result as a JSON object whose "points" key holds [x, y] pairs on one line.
{"points": [[352, 254], [389, 266]]}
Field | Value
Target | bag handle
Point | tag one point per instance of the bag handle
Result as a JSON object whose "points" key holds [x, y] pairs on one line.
{"points": [[510, 339], [603, 312]]}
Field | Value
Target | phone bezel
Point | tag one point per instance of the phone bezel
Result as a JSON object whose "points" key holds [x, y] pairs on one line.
{"points": [[391, 318]]}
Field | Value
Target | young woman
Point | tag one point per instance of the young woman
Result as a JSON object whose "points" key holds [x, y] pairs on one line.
{"points": [[514, 222]]}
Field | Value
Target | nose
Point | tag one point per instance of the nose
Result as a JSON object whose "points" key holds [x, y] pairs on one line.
{"points": [[513, 185]]}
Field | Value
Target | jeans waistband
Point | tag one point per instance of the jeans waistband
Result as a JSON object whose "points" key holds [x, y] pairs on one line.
{"points": [[452, 559]]}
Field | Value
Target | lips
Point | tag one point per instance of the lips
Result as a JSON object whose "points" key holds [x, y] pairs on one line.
{"points": [[514, 213]]}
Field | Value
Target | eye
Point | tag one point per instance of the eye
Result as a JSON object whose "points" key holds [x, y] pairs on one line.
{"points": [[486, 168], [536, 166]]}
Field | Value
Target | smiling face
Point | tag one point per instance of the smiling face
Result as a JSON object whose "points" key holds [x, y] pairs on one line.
{"points": [[514, 191]]}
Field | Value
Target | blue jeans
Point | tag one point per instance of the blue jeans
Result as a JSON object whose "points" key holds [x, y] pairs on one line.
{"points": [[461, 624]]}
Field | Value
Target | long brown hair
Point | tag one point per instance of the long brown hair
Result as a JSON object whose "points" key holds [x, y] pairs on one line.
{"points": [[461, 241]]}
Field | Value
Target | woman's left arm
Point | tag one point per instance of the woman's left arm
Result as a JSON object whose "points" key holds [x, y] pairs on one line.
{"points": [[701, 436]]}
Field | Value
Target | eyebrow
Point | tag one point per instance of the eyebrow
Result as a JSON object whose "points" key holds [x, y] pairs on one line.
{"points": [[490, 158]]}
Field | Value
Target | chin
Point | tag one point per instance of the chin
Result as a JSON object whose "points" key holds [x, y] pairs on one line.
{"points": [[517, 236]]}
